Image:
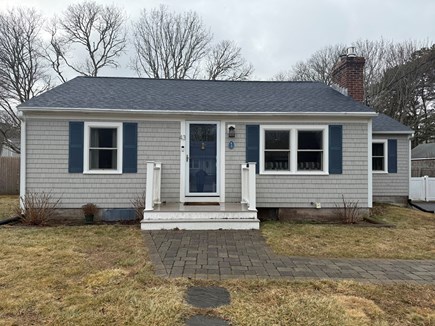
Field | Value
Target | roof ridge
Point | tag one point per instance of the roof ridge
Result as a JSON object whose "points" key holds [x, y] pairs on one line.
{"points": [[204, 80]]}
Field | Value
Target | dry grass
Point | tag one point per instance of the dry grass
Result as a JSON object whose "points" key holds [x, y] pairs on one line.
{"points": [[413, 238], [8, 206], [328, 303], [100, 275], [96, 275]]}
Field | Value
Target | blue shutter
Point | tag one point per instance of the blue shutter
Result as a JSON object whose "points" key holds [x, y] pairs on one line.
{"points": [[335, 149], [253, 145], [75, 156], [129, 148], [392, 155]]}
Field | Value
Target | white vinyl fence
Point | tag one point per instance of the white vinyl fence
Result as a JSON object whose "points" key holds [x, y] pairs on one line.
{"points": [[422, 189]]}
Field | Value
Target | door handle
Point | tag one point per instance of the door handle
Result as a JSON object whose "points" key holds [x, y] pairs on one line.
{"points": [[187, 157]]}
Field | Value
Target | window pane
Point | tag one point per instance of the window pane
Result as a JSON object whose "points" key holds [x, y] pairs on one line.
{"points": [[277, 139], [310, 139], [103, 137], [378, 164], [277, 160], [378, 149], [103, 159], [203, 132], [310, 160]]}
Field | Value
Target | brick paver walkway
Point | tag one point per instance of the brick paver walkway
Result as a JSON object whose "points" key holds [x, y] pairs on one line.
{"points": [[244, 254]]}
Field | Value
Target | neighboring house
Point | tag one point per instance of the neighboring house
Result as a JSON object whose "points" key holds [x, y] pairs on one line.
{"points": [[423, 160], [7, 152], [107, 140], [13, 137]]}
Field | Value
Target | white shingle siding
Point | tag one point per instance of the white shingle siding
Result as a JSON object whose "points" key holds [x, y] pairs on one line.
{"points": [[300, 191], [394, 184], [47, 165]]}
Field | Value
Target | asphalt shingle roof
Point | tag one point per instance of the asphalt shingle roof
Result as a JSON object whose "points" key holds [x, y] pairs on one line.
{"points": [[423, 151], [384, 123], [146, 94], [195, 95]]}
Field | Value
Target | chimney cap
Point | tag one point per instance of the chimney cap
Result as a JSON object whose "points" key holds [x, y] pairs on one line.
{"points": [[351, 52]]}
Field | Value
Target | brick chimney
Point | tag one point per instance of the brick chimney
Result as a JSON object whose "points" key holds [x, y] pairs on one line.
{"points": [[348, 75]]}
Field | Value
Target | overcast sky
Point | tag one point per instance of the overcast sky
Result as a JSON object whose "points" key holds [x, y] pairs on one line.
{"points": [[275, 34]]}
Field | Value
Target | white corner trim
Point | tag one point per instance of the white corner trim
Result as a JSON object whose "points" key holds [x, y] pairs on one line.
{"points": [[369, 166], [119, 144], [23, 166]]}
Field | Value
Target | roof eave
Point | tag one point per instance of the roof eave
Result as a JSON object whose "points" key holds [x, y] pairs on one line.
{"points": [[392, 132], [187, 112]]}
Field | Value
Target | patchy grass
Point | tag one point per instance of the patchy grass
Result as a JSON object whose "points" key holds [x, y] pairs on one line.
{"points": [[100, 275], [95, 275], [413, 238], [8, 206], [329, 303]]}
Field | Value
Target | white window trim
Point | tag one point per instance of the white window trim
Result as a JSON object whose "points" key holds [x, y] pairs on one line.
{"points": [[87, 135], [294, 148], [385, 143]]}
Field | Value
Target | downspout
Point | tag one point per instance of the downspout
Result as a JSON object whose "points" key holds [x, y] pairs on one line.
{"points": [[409, 165], [369, 166], [22, 159]]}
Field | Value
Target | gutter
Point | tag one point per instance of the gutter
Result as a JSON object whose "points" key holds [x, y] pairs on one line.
{"points": [[393, 132], [172, 112]]}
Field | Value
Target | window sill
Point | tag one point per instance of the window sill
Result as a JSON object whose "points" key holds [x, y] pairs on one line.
{"points": [[301, 173], [102, 172], [380, 172]]}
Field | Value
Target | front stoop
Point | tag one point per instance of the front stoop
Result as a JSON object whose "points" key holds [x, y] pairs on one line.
{"points": [[177, 216]]}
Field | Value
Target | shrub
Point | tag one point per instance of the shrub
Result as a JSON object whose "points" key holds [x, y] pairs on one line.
{"points": [[139, 205], [350, 212], [38, 208], [90, 209]]}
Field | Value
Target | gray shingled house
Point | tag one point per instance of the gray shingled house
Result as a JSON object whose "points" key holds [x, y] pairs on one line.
{"points": [[207, 154]]}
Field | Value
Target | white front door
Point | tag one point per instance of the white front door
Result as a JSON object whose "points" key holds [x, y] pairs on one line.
{"points": [[202, 175]]}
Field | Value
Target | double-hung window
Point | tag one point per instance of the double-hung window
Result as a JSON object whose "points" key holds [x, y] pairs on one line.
{"points": [[103, 147], [293, 149], [277, 150], [310, 150], [379, 156]]}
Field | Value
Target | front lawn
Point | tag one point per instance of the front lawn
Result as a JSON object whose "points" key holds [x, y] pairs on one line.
{"points": [[101, 275], [413, 238]]}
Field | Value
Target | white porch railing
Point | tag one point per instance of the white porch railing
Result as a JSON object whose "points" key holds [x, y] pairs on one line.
{"points": [[154, 179], [249, 190], [422, 188]]}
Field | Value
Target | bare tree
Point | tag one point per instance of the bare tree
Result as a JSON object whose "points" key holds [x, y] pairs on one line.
{"points": [[22, 70], [169, 45], [98, 30], [56, 49], [317, 68], [225, 61]]}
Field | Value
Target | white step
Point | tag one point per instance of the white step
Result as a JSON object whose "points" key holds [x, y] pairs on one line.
{"points": [[211, 217], [201, 224]]}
